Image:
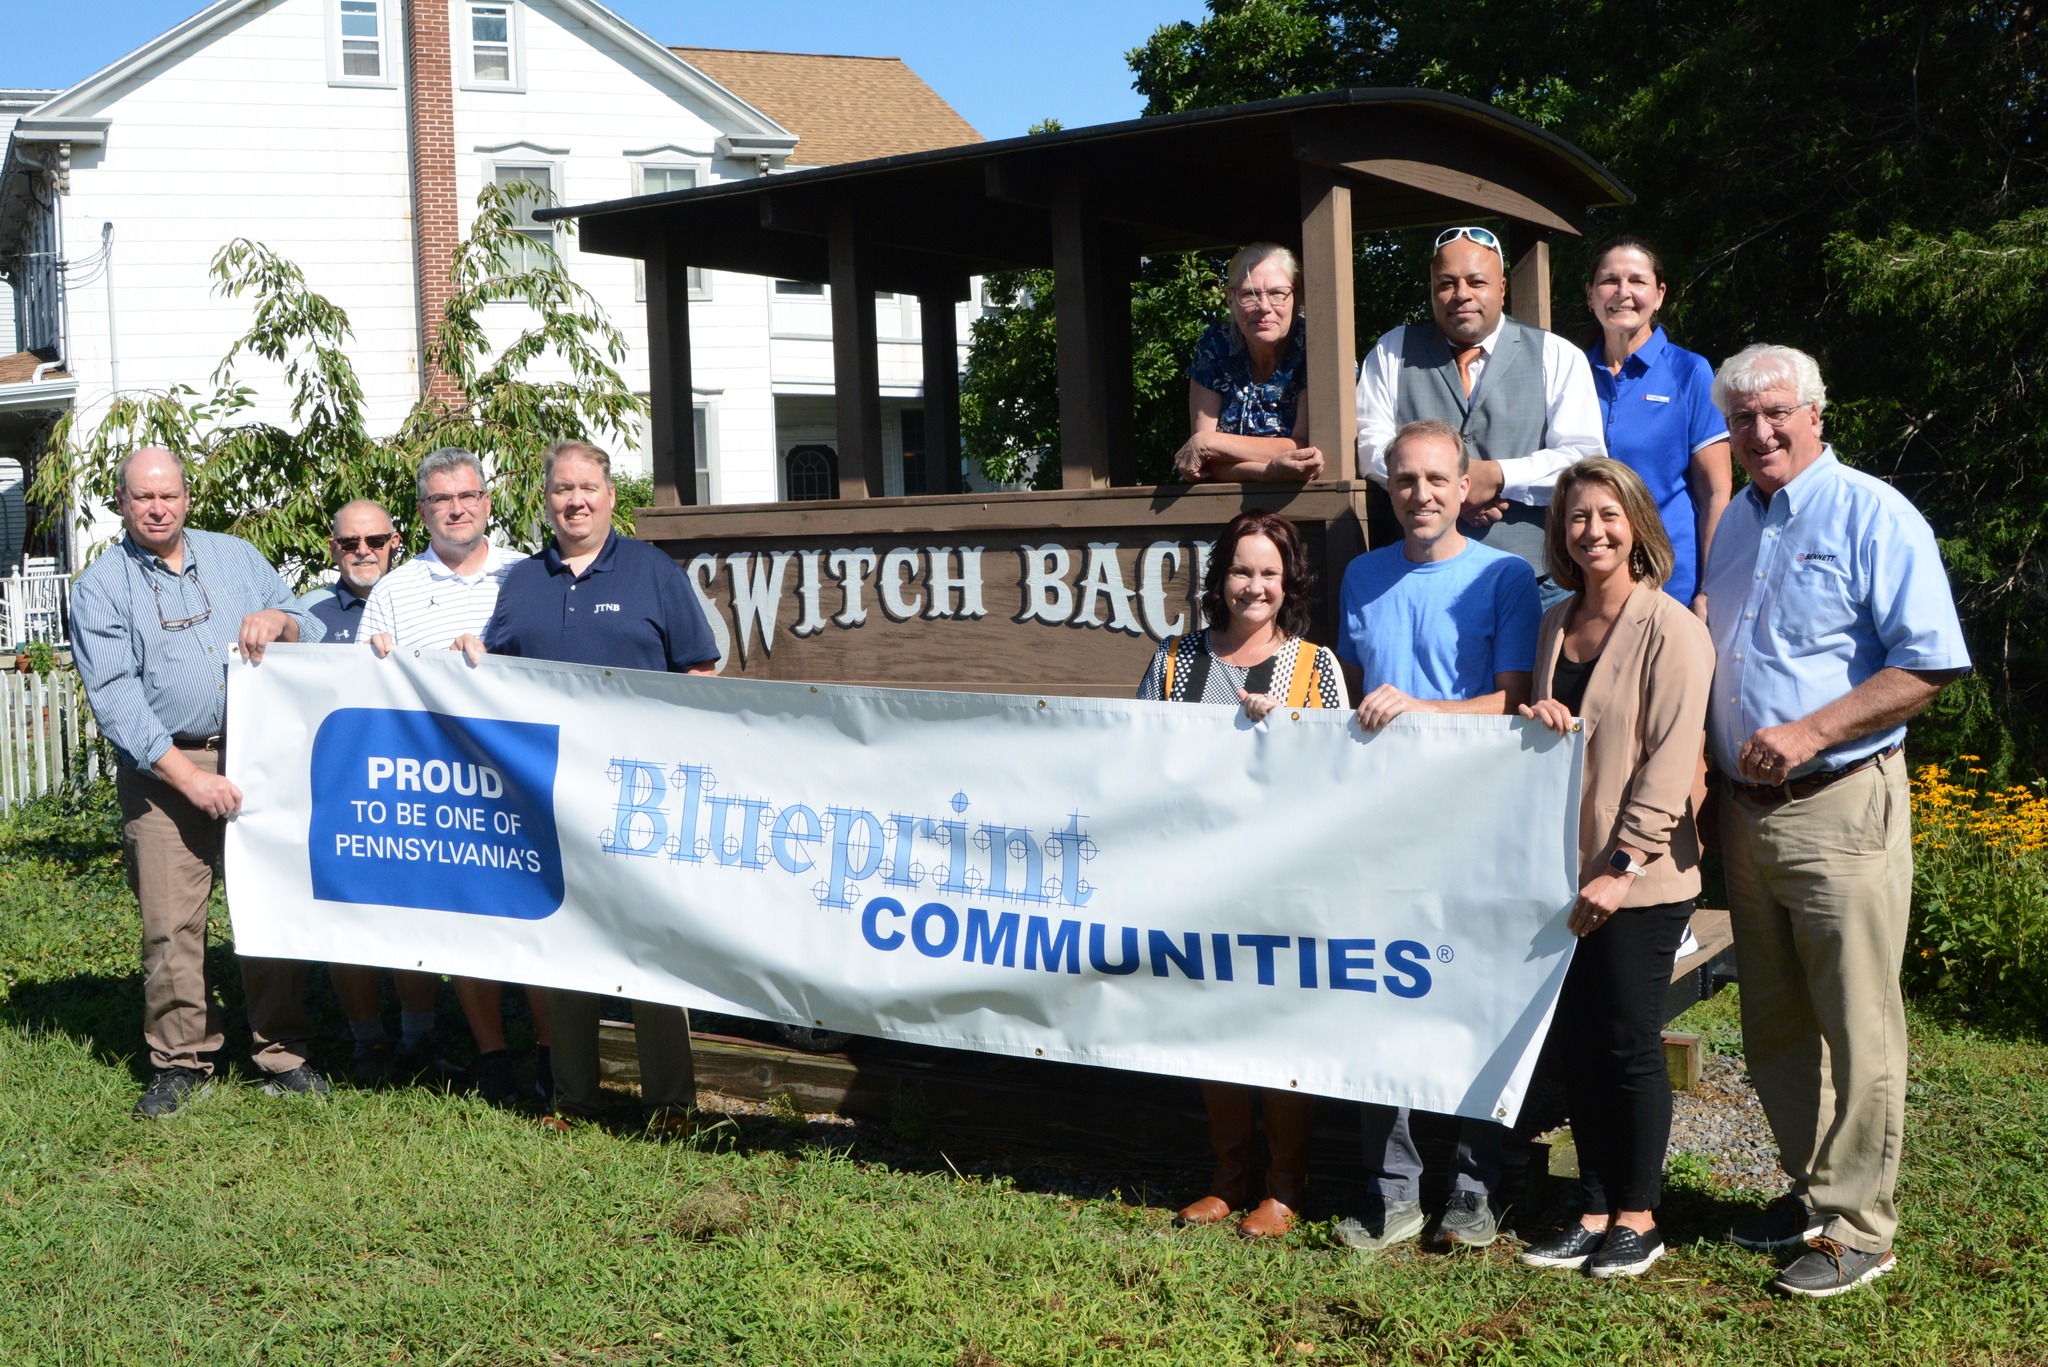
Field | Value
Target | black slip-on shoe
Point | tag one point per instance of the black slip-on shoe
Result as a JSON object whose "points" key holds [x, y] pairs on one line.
{"points": [[1569, 1247], [1625, 1253]]}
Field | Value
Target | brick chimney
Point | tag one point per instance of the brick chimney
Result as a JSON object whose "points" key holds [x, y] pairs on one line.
{"points": [[436, 217]]}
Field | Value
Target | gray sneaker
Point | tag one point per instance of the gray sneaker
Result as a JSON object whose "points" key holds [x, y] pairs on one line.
{"points": [[304, 1080], [1468, 1221], [1384, 1224], [1829, 1268]]}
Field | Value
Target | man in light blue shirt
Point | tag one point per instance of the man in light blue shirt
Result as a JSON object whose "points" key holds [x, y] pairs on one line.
{"points": [[1833, 626], [1438, 623], [153, 621]]}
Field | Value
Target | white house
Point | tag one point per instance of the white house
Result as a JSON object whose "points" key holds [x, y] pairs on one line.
{"points": [[352, 137]]}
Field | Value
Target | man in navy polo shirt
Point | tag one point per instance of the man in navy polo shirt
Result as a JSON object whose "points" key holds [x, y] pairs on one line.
{"points": [[597, 598]]}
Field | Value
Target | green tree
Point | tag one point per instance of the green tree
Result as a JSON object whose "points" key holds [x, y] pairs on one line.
{"points": [[1859, 178], [279, 484]]}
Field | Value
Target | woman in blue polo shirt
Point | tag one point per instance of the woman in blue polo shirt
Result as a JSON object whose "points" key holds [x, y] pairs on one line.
{"points": [[1656, 399]]}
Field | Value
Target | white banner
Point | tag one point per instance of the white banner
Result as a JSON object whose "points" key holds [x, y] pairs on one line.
{"points": [[1146, 886]]}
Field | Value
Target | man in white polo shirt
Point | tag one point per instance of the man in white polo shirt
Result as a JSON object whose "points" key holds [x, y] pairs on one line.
{"points": [[424, 604]]}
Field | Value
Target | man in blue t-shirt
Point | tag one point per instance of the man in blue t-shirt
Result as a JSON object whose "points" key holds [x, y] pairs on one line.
{"points": [[1439, 623], [594, 597]]}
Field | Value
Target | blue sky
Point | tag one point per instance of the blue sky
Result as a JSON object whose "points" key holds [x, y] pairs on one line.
{"points": [[1004, 64]]}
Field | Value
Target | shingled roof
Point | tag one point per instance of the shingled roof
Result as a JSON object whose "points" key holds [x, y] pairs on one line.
{"points": [[841, 108], [20, 368]]}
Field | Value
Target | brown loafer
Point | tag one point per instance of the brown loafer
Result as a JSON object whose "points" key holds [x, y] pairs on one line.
{"points": [[1210, 1210], [1269, 1220]]}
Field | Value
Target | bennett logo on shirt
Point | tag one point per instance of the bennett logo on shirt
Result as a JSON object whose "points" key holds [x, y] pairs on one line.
{"points": [[1820, 557], [443, 813]]}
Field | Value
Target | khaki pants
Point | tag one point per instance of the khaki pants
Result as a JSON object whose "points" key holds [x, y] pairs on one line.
{"points": [[1819, 891], [171, 847], [668, 1073]]}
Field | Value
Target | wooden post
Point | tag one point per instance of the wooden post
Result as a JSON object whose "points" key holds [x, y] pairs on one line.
{"points": [[1326, 304], [1529, 282], [941, 386], [1092, 297], [856, 369], [672, 429]]}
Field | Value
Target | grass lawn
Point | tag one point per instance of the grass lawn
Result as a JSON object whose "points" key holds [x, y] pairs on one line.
{"points": [[407, 1227]]}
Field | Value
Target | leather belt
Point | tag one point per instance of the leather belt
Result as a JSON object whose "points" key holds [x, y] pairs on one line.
{"points": [[196, 742], [1793, 789]]}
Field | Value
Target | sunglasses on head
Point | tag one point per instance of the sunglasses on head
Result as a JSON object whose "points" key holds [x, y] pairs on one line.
{"points": [[1485, 237], [349, 544]]}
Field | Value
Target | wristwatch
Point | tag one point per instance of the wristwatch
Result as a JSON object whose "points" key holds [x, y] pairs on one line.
{"points": [[1621, 861]]}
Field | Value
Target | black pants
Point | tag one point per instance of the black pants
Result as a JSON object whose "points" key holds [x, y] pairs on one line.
{"points": [[1610, 1026]]}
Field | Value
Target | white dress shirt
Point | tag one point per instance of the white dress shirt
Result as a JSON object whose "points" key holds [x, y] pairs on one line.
{"points": [[1573, 429]]}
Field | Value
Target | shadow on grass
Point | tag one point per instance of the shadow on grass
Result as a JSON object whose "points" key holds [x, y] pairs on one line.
{"points": [[104, 1012]]}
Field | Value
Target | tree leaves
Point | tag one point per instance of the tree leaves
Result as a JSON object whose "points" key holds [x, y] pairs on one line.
{"points": [[280, 484]]}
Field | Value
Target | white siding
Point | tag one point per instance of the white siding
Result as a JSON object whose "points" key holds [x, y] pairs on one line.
{"points": [[243, 134]]}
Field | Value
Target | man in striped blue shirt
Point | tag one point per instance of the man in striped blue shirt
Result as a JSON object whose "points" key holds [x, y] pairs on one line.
{"points": [[425, 604], [152, 623]]}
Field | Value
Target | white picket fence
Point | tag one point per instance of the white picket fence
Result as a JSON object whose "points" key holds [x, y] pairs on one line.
{"points": [[47, 736]]}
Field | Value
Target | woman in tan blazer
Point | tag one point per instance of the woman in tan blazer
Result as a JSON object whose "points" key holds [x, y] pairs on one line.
{"points": [[1635, 667]]}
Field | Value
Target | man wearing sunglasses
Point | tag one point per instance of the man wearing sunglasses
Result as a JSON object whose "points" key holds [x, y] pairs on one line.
{"points": [[361, 545], [153, 621], [1522, 398]]}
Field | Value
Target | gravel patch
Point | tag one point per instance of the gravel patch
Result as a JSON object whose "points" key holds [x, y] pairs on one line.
{"points": [[1723, 1121]]}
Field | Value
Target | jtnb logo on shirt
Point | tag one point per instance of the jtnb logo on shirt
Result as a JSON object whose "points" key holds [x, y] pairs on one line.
{"points": [[420, 809]]}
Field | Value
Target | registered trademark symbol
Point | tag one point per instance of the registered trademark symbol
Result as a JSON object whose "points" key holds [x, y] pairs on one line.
{"points": [[1443, 954]]}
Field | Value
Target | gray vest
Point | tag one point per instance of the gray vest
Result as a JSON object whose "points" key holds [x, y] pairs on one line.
{"points": [[1505, 417]]}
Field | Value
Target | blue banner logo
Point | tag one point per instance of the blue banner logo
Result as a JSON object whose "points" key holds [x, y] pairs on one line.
{"points": [[419, 809]]}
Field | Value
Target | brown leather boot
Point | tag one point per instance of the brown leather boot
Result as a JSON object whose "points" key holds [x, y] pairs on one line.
{"points": [[1289, 1118], [1230, 1137]]}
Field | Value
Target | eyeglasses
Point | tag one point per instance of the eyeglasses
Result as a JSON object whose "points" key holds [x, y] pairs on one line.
{"points": [[1777, 415], [1278, 298], [349, 544], [468, 498], [1483, 236], [180, 623]]}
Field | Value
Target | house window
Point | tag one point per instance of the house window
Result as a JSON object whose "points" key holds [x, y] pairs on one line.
{"points": [[362, 45], [493, 43], [811, 472], [700, 429], [660, 180], [915, 480], [532, 177], [357, 43], [798, 287]]}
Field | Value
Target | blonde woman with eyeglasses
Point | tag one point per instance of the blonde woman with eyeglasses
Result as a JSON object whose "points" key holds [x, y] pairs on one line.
{"points": [[1246, 421]]}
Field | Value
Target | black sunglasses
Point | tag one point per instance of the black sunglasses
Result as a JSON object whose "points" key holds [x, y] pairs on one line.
{"points": [[378, 542]]}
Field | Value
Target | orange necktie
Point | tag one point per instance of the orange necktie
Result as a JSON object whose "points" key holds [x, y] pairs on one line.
{"points": [[1465, 358]]}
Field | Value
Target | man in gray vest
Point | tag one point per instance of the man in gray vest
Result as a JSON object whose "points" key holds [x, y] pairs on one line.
{"points": [[1523, 398]]}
